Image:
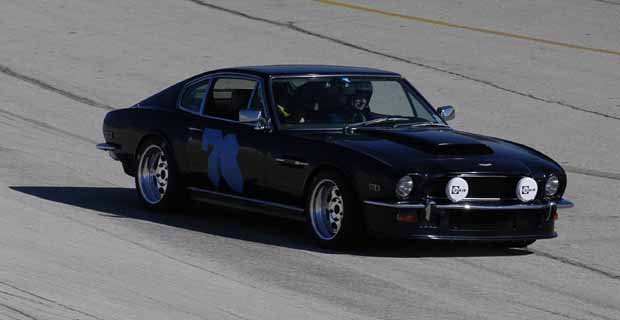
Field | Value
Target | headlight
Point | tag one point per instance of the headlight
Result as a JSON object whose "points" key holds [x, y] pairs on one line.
{"points": [[552, 185], [404, 187]]}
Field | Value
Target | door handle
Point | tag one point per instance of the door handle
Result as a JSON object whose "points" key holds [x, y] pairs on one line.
{"points": [[194, 129]]}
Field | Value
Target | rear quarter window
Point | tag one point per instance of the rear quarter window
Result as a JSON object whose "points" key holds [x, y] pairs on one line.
{"points": [[193, 97]]}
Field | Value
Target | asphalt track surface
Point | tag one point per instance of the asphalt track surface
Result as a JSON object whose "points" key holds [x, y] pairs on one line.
{"points": [[75, 243]]}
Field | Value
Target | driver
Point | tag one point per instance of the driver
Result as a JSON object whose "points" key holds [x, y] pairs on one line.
{"points": [[357, 107], [282, 97]]}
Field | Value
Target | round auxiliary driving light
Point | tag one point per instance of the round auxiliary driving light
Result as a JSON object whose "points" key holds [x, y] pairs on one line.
{"points": [[552, 185], [404, 187], [457, 189], [527, 189]]}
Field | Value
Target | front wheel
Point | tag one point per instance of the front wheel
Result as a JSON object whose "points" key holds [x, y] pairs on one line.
{"points": [[156, 179], [333, 212]]}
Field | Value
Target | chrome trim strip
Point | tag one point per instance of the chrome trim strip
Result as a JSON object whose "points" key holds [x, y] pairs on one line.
{"points": [[107, 147], [396, 205], [232, 196], [445, 199], [291, 162], [194, 129], [523, 206], [484, 199], [323, 75]]}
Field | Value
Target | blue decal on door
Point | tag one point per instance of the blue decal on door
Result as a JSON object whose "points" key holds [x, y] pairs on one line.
{"points": [[222, 161]]}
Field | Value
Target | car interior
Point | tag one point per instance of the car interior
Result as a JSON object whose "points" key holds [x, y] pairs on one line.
{"points": [[225, 101]]}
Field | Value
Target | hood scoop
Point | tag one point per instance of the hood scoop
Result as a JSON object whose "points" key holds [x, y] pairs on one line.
{"points": [[468, 149], [438, 142]]}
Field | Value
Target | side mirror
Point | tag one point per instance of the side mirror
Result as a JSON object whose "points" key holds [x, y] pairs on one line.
{"points": [[255, 117], [446, 112]]}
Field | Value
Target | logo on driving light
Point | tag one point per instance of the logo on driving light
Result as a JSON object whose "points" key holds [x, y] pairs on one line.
{"points": [[457, 189], [526, 189]]}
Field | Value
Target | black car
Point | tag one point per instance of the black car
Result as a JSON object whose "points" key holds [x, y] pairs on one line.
{"points": [[349, 150]]}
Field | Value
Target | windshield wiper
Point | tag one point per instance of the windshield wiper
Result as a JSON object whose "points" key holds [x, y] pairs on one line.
{"points": [[352, 126], [423, 124]]}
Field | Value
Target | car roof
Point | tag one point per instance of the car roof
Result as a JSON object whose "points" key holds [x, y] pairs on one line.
{"points": [[306, 69]]}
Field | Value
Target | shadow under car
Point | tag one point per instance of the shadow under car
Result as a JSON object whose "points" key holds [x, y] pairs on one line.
{"points": [[242, 225]]}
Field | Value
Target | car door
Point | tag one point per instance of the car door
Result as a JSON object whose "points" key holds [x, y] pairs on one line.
{"points": [[190, 104], [227, 155]]}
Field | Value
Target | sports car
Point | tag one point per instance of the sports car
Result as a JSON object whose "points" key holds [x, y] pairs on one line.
{"points": [[351, 151]]}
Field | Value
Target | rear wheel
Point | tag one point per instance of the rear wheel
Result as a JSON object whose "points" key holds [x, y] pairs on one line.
{"points": [[156, 178], [333, 212]]}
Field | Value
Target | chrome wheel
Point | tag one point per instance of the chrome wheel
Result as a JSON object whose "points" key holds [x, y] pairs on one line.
{"points": [[153, 174], [326, 209]]}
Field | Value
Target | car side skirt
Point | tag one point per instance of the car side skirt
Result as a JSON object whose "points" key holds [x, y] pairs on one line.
{"points": [[248, 204]]}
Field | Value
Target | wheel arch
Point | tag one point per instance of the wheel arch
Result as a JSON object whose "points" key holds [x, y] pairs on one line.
{"points": [[157, 134], [358, 222], [346, 174], [153, 135]]}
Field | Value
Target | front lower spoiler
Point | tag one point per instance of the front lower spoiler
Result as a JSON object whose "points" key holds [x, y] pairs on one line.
{"points": [[434, 220], [479, 238]]}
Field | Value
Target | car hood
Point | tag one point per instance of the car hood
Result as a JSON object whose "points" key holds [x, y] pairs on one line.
{"points": [[444, 150]]}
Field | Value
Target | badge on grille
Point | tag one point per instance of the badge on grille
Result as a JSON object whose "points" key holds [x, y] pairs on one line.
{"points": [[527, 189], [457, 189]]}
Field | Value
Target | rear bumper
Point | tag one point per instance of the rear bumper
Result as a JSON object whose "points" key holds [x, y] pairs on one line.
{"points": [[111, 148], [107, 147], [468, 221]]}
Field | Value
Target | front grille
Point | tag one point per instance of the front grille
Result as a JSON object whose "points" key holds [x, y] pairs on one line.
{"points": [[480, 187], [492, 220]]}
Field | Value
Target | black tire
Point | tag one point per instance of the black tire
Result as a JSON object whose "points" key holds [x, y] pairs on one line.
{"points": [[515, 244], [174, 194], [350, 231]]}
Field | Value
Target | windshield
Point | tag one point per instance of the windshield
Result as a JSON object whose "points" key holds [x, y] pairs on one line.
{"points": [[335, 102]]}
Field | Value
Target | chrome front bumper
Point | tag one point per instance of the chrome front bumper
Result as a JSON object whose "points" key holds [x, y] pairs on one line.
{"points": [[561, 204]]}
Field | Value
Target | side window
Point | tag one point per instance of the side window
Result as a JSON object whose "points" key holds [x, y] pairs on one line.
{"points": [[227, 96], [257, 102], [419, 110], [192, 97]]}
